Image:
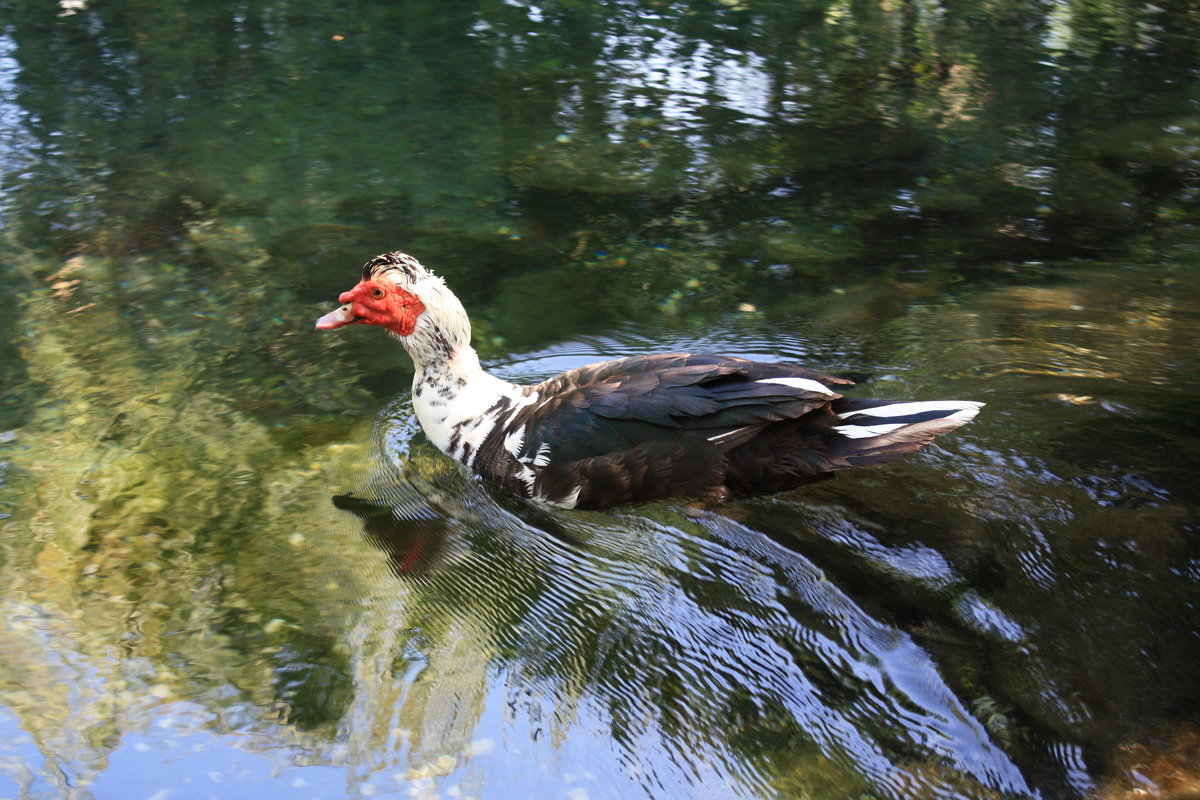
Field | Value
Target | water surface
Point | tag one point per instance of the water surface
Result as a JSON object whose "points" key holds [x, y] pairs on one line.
{"points": [[230, 563]]}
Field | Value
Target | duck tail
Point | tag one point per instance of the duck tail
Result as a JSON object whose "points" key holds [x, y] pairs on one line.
{"points": [[871, 432]]}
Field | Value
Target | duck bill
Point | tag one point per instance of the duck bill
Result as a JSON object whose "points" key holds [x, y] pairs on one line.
{"points": [[342, 315]]}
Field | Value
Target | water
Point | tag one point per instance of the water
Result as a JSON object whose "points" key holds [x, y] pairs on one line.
{"points": [[230, 564]]}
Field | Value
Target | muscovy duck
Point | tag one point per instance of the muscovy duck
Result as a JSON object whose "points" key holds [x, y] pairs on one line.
{"points": [[633, 429]]}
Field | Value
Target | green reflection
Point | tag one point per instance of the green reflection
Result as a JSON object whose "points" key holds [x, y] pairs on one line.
{"points": [[996, 200]]}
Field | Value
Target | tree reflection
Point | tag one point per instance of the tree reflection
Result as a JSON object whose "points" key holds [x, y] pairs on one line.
{"points": [[873, 130], [181, 179]]}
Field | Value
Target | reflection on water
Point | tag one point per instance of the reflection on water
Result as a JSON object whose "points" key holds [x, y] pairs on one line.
{"points": [[973, 621], [230, 563], [707, 654]]}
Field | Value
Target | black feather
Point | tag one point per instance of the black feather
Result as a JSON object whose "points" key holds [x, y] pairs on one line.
{"points": [[645, 427]]}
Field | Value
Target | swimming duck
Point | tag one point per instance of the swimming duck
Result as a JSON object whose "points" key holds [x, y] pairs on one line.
{"points": [[633, 429]]}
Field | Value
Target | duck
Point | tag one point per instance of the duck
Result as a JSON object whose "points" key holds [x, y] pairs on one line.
{"points": [[630, 430]]}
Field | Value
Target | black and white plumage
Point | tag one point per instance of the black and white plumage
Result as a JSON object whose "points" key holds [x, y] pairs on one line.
{"points": [[635, 428]]}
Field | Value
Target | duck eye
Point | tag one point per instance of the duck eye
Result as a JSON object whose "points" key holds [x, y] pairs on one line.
{"points": [[377, 292]]}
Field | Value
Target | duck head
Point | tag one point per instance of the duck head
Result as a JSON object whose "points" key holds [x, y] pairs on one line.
{"points": [[400, 295]]}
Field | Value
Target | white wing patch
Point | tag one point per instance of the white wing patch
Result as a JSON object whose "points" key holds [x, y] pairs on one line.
{"points": [[570, 500], [532, 465], [514, 441], [806, 384], [960, 411], [864, 431], [963, 409]]}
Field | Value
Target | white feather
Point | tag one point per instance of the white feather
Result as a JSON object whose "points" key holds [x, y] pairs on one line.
{"points": [[721, 437], [570, 500], [963, 409], [514, 441], [441, 416], [528, 477], [806, 384], [863, 431]]}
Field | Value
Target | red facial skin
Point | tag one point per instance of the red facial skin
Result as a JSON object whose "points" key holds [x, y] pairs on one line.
{"points": [[379, 303]]}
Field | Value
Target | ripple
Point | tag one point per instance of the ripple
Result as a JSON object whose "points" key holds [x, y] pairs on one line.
{"points": [[771, 344], [687, 652], [683, 637]]}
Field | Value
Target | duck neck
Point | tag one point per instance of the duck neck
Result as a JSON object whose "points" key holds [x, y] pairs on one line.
{"points": [[458, 403]]}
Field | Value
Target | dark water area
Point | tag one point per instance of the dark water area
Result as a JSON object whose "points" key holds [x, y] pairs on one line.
{"points": [[232, 566]]}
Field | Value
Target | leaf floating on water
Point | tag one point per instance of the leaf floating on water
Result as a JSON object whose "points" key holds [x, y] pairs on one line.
{"points": [[1069, 399]]}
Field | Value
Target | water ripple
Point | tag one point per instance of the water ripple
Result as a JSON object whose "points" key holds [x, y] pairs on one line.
{"points": [[685, 637]]}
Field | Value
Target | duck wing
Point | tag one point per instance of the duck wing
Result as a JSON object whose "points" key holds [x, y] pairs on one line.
{"points": [[645, 426]]}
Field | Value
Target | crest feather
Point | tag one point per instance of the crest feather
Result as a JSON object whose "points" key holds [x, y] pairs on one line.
{"points": [[408, 267]]}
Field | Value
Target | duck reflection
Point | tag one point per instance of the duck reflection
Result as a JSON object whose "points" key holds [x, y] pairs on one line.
{"points": [[420, 544], [413, 546]]}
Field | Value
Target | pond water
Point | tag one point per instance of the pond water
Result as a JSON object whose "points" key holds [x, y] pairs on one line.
{"points": [[232, 566]]}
